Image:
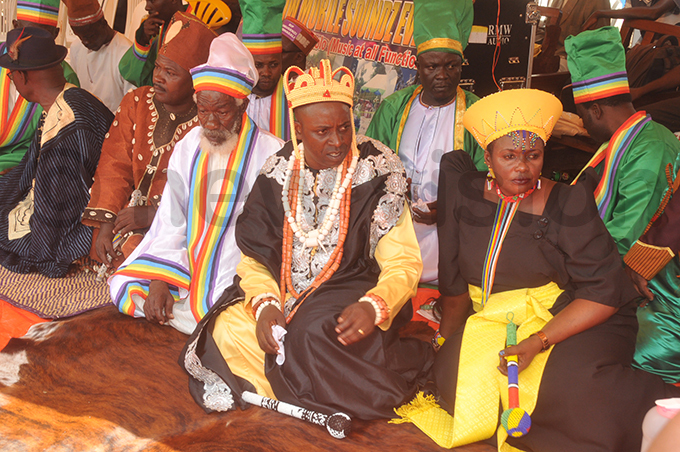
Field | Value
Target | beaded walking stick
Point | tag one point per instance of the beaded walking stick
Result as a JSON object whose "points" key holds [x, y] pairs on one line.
{"points": [[515, 420], [338, 425]]}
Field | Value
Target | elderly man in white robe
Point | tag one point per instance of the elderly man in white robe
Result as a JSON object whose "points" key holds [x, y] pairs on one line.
{"points": [[189, 255], [95, 56]]}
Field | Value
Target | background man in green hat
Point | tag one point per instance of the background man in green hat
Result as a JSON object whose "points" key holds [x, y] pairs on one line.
{"points": [[632, 171], [18, 127], [421, 123], [262, 23]]}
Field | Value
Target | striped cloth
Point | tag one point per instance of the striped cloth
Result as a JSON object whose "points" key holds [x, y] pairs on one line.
{"points": [[53, 298], [63, 169]]}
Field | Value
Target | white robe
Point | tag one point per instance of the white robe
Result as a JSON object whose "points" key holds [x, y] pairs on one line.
{"points": [[167, 237], [98, 71], [428, 134], [259, 110]]}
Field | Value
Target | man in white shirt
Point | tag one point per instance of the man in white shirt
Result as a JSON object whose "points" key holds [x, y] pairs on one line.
{"points": [[96, 55], [422, 122]]}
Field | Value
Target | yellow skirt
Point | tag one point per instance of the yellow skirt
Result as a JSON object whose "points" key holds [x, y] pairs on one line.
{"points": [[480, 385]]}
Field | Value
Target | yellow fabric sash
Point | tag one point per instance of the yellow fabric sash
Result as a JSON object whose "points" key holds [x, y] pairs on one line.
{"points": [[479, 384], [458, 129]]}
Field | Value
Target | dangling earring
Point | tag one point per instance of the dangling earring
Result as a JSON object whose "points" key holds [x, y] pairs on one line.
{"points": [[489, 179], [538, 184]]}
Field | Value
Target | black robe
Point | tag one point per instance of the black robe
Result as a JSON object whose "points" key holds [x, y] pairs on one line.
{"points": [[366, 379]]}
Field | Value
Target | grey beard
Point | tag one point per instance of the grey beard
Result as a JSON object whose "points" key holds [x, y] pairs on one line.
{"points": [[227, 141]]}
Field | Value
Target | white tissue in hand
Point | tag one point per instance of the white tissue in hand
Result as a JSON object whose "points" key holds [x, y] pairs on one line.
{"points": [[278, 332], [421, 205]]}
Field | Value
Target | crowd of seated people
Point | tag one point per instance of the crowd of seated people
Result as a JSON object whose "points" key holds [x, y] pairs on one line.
{"points": [[210, 183]]}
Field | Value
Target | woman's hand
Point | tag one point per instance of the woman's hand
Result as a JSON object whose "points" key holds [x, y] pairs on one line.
{"points": [[525, 351], [454, 313], [270, 316], [355, 323]]}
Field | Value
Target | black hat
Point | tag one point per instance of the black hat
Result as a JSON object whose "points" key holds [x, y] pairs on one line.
{"points": [[30, 49]]}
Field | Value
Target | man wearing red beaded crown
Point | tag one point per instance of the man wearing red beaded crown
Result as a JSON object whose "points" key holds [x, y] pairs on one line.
{"points": [[330, 259]]}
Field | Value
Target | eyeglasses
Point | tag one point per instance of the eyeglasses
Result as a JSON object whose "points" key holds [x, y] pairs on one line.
{"points": [[10, 76]]}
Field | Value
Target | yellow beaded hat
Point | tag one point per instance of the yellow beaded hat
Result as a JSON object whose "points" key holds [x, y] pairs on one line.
{"points": [[499, 114], [317, 85]]}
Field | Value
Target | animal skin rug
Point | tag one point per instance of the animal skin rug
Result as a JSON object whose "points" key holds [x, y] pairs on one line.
{"points": [[102, 381]]}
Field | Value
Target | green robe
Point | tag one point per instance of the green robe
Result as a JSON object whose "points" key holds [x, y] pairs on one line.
{"points": [[11, 154], [640, 184], [384, 126]]}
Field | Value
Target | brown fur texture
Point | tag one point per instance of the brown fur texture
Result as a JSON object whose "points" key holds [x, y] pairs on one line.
{"points": [[105, 381]]}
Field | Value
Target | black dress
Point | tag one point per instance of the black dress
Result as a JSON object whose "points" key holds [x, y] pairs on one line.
{"points": [[590, 399]]}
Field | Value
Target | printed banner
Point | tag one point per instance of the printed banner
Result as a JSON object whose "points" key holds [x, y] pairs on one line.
{"points": [[373, 38]]}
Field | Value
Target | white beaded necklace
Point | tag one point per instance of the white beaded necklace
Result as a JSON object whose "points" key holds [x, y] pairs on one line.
{"points": [[314, 237]]}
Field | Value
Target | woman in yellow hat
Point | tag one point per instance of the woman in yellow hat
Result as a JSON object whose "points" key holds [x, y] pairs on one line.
{"points": [[516, 247]]}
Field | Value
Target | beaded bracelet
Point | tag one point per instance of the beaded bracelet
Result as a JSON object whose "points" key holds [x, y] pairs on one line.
{"points": [[382, 311], [437, 340], [259, 301], [264, 304]]}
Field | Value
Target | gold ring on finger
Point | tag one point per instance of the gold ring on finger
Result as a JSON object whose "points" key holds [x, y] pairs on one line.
{"points": [[361, 331]]}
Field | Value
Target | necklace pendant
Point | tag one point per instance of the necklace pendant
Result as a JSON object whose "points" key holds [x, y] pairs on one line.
{"points": [[311, 242]]}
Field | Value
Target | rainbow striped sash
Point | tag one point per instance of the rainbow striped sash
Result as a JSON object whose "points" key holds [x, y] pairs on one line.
{"points": [[145, 269], [612, 153], [205, 239], [14, 126], [504, 214], [279, 123]]}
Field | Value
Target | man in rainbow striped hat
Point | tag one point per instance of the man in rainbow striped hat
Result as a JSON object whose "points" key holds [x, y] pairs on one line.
{"points": [[18, 117], [189, 255], [262, 23], [633, 174], [422, 122]]}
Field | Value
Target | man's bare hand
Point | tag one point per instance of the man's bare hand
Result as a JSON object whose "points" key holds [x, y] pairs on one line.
{"points": [[426, 217], [270, 316], [152, 26], [159, 303], [640, 284], [355, 323], [104, 244], [133, 218]]}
